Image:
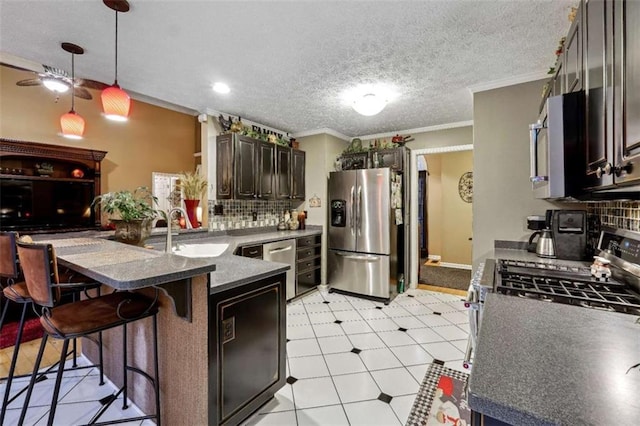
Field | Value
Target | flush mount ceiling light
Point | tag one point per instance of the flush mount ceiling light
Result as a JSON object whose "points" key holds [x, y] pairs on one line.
{"points": [[368, 99], [71, 123], [220, 87], [55, 85], [115, 101]]}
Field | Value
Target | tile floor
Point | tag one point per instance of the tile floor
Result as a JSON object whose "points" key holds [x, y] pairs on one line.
{"points": [[349, 361]]}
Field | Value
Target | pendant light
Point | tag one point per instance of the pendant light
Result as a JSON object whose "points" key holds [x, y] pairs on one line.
{"points": [[71, 123], [115, 101]]}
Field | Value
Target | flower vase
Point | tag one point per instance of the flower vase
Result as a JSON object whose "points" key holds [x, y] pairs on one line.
{"points": [[191, 206]]}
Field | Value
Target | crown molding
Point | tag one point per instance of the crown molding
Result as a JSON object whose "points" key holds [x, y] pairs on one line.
{"points": [[420, 130], [325, 130], [510, 81]]}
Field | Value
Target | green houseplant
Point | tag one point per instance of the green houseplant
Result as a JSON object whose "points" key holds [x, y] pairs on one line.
{"points": [[193, 186], [132, 213]]}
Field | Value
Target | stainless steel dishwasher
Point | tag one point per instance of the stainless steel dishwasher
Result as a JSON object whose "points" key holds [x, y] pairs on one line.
{"points": [[283, 252]]}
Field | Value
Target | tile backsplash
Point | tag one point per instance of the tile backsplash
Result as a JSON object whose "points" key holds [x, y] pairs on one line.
{"points": [[238, 214], [618, 214]]}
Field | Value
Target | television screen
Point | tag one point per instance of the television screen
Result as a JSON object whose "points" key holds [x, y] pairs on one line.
{"points": [[31, 205]]}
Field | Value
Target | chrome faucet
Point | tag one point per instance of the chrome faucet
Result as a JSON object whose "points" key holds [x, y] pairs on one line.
{"points": [[168, 247]]}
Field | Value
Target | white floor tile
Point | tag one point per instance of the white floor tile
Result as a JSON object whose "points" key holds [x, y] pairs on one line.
{"points": [[333, 415], [321, 317], [308, 367], [458, 304], [317, 307], [411, 355], [313, 298], [87, 389], [366, 341], [348, 315], [295, 308], [303, 347], [460, 344], [382, 324], [418, 310], [299, 332], [402, 405], [334, 297], [444, 351], [433, 320], [406, 301], [408, 322], [445, 297], [442, 308], [428, 298], [396, 382], [344, 363], [356, 387], [281, 401], [451, 332], [424, 335], [356, 327], [309, 393], [285, 418], [340, 306], [395, 338], [334, 344], [73, 414], [394, 311], [465, 327], [324, 330], [294, 320], [370, 413], [418, 371], [457, 365], [460, 317], [33, 415], [372, 314], [42, 391], [379, 359], [362, 304]]}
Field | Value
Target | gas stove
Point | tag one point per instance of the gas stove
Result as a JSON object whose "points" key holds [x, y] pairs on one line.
{"points": [[573, 283]]}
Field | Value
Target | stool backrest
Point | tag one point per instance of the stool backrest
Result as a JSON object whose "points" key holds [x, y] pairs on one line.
{"points": [[39, 267], [8, 258]]}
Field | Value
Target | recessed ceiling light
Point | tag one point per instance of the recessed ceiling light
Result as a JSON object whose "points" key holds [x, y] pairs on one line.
{"points": [[220, 87]]}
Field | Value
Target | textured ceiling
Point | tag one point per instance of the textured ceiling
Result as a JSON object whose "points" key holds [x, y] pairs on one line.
{"points": [[288, 63]]}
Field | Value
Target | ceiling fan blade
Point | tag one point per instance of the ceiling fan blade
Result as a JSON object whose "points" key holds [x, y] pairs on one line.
{"points": [[82, 93], [30, 82], [15, 67], [90, 84]]}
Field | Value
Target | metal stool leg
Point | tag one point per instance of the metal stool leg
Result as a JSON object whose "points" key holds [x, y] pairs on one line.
{"points": [[4, 311], [124, 367], [33, 380], [12, 368], [56, 391], [155, 366]]}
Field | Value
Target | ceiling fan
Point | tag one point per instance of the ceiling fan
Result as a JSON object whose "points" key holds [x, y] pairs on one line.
{"points": [[58, 80]]}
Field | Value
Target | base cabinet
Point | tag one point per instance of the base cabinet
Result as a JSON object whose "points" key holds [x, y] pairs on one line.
{"points": [[247, 341], [308, 263]]}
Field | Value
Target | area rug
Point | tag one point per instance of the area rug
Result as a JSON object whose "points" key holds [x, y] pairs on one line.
{"points": [[443, 276], [442, 398], [32, 330]]}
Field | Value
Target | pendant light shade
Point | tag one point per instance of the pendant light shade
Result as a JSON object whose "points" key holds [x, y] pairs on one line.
{"points": [[72, 125], [116, 103]]}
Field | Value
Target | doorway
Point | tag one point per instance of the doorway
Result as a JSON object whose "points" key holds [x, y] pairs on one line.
{"points": [[440, 217]]}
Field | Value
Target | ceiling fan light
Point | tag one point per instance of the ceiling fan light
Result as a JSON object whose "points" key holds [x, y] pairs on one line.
{"points": [[116, 103], [55, 85], [72, 125], [369, 104]]}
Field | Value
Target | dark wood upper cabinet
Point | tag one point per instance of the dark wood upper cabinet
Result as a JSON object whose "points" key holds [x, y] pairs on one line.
{"points": [[266, 170], [572, 62], [224, 167], [245, 159], [297, 174], [283, 173]]}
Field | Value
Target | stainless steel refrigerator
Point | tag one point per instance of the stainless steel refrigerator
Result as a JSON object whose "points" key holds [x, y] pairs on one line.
{"points": [[363, 232]]}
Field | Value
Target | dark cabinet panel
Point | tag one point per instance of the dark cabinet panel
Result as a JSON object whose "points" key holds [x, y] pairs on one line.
{"points": [[308, 263], [572, 68], [254, 251], [283, 172], [246, 349], [266, 170], [224, 167], [246, 152], [297, 174], [391, 158]]}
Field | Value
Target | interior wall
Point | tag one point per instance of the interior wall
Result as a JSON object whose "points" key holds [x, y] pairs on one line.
{"points": [[434, 204], [154, 139], [502, 196]]}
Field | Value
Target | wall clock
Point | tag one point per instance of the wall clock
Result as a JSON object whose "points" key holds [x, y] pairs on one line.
{"points": [[465, 187]]}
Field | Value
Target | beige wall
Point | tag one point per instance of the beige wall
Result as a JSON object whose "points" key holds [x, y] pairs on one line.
{"points": [[442, 138], [450, 218], [154, 139], [502, 196], [321, 153]]}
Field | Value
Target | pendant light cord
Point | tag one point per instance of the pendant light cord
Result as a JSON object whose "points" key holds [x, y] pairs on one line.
{"points": [[116, 82], [73, 81]]}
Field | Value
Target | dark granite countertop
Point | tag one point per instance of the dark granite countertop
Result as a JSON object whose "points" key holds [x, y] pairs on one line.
{"points": [[126, 267], [543, 363]]}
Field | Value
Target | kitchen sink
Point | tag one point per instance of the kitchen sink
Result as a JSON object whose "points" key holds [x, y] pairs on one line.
{"points": [[200, 250]]}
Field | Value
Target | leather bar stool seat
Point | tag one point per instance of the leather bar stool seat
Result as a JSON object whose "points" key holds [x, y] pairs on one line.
{"points": [[17, 293]]}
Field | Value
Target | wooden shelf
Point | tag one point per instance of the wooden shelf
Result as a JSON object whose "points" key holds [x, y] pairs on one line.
{"points": [[24, 177]]}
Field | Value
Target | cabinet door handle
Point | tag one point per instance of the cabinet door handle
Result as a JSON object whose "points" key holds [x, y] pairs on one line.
{"points": [[280, 250], [228, 330], [534, 130]]}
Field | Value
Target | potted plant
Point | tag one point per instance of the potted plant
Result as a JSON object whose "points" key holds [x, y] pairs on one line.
{"points": [[132, 213], [193, 187]]}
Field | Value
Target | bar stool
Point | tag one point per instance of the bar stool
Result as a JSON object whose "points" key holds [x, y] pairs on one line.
{"points": [[82, 318], [17, 292]]}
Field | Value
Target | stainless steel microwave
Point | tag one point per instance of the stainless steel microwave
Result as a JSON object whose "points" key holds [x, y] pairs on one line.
{"points": [[556, 152]]}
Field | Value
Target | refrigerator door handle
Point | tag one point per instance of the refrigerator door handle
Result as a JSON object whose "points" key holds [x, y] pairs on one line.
{"points": [[359, 210], [361, 258], [352, 224]]}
